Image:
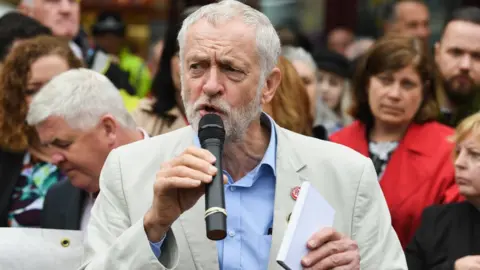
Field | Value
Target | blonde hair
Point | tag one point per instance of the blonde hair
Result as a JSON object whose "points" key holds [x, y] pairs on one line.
{"points": [[469, 126], [291, 104]]}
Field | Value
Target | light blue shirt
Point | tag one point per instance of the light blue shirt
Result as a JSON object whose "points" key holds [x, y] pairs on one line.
{"points": [[249, 204]]}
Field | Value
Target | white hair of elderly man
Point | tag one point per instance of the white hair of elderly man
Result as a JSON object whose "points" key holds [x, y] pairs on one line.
{"points": [[267, 40], [80, 96]]}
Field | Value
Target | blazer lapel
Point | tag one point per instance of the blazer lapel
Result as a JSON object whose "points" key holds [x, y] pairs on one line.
{"points": [[288, 169], [74, 213], [204, 251], [410, 152]]}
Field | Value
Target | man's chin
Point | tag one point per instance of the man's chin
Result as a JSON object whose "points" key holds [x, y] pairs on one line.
{"points": [[83, 182], [461, 95], [66, 33]]}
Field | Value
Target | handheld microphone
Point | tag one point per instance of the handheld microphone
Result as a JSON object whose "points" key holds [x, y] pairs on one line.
{"points": [[212, 136]]}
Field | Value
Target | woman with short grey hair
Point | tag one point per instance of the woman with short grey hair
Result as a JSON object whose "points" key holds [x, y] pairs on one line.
{"points": [[306, 68]]}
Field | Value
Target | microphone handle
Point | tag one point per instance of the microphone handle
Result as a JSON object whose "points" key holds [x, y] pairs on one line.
{"points": [[215, 212]]}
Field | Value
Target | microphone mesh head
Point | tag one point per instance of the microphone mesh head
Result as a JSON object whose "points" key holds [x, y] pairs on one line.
{"points": [[211, 127]]}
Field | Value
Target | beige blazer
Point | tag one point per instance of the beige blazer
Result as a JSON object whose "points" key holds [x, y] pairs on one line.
{"points": [[152, 123], [116, 237]]}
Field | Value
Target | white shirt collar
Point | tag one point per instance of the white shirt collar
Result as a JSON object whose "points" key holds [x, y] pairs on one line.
{"points": [[145, 134]]}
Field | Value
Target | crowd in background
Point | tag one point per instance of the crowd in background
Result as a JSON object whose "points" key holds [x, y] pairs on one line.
{"points": [[412, 108]]}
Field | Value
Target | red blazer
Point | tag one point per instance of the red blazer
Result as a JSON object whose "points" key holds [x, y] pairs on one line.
{"points": [[419, 173]]}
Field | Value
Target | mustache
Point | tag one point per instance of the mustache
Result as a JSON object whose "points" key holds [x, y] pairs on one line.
{"points": [[218, 103], [462, 76]]}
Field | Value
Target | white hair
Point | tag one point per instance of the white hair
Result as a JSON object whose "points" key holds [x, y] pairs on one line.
{"points": [[299, 54], [29, 3], [81, 97], [267, 40]]}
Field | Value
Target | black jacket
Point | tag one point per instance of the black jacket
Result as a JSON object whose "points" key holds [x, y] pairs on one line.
{"points": [[63, 207], [10, 169], [447, 233]]}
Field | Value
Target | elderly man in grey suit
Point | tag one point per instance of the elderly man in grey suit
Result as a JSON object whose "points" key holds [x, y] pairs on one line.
{"points": [[150, 211]]}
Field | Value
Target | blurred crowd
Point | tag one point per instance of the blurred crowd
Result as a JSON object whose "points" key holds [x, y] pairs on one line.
{"points": [[410, 107]]}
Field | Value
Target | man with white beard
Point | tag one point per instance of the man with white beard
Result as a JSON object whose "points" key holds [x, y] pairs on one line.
{"points": [[150, 211]]}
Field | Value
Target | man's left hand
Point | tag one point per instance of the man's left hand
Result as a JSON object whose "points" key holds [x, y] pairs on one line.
{"points": [[331, 250]]}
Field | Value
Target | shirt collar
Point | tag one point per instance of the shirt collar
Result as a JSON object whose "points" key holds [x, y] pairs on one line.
{"points": [[269, 158], [144, 132]]}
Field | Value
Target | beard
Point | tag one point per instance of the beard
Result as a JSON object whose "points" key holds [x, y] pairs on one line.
{"points": [[236, 120], [458, 93]]}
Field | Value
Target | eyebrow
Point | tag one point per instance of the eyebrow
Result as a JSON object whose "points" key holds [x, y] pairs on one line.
{"points": [[224, 60], [230, 62], [197, 58], [57, 141]]}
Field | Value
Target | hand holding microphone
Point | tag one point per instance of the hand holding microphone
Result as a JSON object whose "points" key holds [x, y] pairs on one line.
{"points": [[179, 184]]}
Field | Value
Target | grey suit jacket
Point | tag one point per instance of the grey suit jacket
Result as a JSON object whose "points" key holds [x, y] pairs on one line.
{"points": [[116, 237]]}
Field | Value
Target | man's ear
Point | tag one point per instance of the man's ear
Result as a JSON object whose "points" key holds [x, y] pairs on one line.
{"points": [[109, 127], [271, 84]]}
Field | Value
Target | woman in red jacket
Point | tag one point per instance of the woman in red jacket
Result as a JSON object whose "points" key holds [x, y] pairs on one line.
{"points": [[394, 108]]}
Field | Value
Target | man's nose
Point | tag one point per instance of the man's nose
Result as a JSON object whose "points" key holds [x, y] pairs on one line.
{"points": [[466, 62], [212, 86], [423, 32], [57, 158], [66, 6]]}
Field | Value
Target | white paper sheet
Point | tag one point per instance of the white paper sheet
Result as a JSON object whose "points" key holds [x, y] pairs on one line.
{"points": [[310, 214]]}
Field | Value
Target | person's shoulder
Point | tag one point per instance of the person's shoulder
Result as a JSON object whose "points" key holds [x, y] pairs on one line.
{"points": [[436, 129], [57, 194], [432, 138], [134, 60], [61, 187], [313, 149], [441, 218], [348, 133], [145, 105], [445, 212], [153, 146]]}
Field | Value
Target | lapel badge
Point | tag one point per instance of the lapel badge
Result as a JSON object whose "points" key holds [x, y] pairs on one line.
{"points": [[295, 192]]}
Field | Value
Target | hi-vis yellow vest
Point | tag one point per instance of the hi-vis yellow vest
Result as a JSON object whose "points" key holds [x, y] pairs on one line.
{"points": [[101, 63]]}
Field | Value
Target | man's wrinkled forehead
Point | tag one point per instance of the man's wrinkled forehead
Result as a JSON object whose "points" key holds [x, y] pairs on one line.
{"points": [[232, 33]]}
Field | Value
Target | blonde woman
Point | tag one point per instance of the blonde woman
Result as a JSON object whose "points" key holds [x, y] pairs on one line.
{"points": [[449, 235], [290, 106]]}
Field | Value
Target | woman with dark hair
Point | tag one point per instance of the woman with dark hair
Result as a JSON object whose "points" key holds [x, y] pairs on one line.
{"points": [[164, 111], [395, 112], [26, 169]]}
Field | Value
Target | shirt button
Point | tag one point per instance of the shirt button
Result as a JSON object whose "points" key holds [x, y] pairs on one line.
{"points": [[232, 188], [231, 233]]}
